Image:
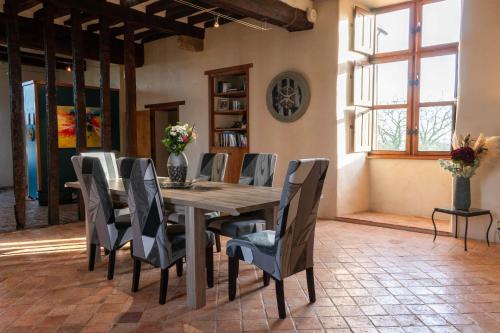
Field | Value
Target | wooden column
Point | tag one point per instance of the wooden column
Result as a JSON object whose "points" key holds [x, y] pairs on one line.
{"points": [[50, 97], [17, 118], [130, 90], [78, 69], [104, 57]]}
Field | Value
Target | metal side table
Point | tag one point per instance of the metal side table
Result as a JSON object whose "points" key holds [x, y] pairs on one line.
{"points": [[463, 213]]}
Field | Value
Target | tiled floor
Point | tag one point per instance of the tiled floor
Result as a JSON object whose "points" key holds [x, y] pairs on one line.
{"points": [[36, 216], [368, 279]]}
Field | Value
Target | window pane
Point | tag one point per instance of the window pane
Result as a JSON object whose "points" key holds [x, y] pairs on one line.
{"points": [[390, 129], [391, 85], [437, 78], [435, 128], [392, 31], [441, 22]]}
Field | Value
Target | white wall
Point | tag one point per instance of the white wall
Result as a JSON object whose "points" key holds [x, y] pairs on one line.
{"points": [[171, 74], [34, 73], [479, 97], [352, 168]]}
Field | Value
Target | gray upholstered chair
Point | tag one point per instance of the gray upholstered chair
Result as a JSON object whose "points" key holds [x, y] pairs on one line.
{"points": [[108, 163], [154, 241], [289, 249], [106, 227], [256, 170], [212, 168]]}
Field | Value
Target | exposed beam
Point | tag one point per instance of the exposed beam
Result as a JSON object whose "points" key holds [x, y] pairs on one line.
{"points": [[17, 120], [155, 36], [32, 37], [130, 91], [78, 80], [130, 15], [51, 114], [273, 11], [35, 59], [202, 17], [160, 5], [104, 66], [17, 6]]}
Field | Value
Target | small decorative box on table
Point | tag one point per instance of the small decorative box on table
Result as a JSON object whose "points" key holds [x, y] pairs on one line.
{"points": [[463, 213]]}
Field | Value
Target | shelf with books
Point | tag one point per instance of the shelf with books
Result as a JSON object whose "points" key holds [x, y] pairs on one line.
{"points": [[229, 131]]}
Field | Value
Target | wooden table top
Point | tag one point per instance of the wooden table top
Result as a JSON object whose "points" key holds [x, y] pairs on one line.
{"points": [[227, 198]]}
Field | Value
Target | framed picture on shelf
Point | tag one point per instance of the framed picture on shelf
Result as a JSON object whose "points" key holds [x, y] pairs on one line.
{"points": [[222, 104]]}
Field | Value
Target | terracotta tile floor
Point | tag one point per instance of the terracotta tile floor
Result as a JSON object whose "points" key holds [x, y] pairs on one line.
{"points": [[368, 279], [36, 216]]}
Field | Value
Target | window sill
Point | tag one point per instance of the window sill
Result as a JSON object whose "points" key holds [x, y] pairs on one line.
{"points": [[408, 157]]}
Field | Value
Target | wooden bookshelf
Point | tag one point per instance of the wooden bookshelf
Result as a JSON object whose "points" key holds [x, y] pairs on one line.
{"points": [[228, 105]]}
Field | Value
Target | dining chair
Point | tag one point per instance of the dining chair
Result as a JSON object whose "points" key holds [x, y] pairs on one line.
{"points": [[110, 167], [106, 227], [289, 249], [212, 167], [256, 170], [154, 241]]}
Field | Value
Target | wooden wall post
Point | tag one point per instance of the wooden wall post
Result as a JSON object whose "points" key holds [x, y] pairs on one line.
{"points": [[51, 110], [104, 58], [78, 80], [17, 118], [130, 90]]}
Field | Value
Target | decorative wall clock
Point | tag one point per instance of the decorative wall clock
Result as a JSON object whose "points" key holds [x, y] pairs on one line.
{"points": [[288, 96]]}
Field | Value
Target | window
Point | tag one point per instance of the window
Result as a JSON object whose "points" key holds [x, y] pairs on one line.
{"points": [[409, 83]]}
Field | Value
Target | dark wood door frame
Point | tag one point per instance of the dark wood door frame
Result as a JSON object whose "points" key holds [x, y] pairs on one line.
{"points": [[160, 107]]}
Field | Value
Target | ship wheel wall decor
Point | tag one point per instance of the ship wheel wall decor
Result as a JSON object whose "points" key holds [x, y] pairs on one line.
{"points": [[288, 96]]}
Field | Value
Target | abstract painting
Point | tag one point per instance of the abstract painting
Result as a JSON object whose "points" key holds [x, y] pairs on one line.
{"points": [[66, 127]]}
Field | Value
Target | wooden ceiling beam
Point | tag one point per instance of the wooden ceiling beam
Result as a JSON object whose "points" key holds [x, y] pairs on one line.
{"points": [[31, 37], [273, 11], [202, 17], [17, 6], [158, 6], [155, 36], [130, 15]]}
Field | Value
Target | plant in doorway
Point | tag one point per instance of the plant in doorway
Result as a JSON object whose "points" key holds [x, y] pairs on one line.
{"points": [[466, 157], [177, 137]]}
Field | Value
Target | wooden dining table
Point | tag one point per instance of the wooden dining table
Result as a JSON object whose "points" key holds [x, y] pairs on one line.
{"points": [[202, 197]]}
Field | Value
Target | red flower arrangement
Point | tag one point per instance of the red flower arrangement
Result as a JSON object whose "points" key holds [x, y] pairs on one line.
{"points": [[465, 155]]}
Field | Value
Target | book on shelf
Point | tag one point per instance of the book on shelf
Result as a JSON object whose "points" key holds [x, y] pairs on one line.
{"points": [[232, 139]]}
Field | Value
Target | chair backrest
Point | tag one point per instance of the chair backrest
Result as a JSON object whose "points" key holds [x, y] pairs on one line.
{"points": [[212, 167], [258, 169], [98, 204], [108, 162], [145, 202], [294, 240]]}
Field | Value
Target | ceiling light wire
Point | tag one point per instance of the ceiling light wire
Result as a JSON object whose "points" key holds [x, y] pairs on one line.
{"points": [[220, 15]]}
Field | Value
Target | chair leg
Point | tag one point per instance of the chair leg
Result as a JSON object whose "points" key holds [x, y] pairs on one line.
{"points": [[93, 250], [111, 264], [217, 242], [310, 284], [233, 267], [280, 298], [136, 275], [209, 258], [266, 277], [163, 285], [179, 267]]}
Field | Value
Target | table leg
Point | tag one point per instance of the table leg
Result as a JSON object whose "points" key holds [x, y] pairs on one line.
{"points": [[456, 226], [466, 227], [270, 215], [488, 231], [434, 223], [195, 257]]}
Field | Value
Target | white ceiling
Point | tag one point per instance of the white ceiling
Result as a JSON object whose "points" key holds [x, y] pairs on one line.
{"points": [[378, 3]]}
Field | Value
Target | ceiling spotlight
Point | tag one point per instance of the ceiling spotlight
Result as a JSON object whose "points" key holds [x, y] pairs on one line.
{"points": [[216, 24], [68, 68]]}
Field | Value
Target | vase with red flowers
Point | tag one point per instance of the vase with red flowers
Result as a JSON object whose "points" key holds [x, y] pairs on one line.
{"points": [[466, 157]]}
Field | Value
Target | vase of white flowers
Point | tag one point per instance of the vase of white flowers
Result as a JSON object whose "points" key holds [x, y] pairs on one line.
{"points": [[176, 140], [466, 157]]}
